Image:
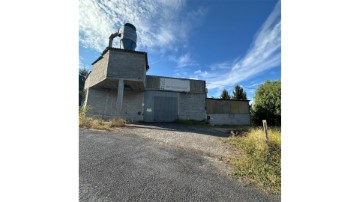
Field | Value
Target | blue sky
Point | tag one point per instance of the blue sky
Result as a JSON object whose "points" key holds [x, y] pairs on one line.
{"points": [[224, 42]]}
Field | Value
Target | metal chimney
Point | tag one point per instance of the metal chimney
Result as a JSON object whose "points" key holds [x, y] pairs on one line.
{"points": [[128, 37]]}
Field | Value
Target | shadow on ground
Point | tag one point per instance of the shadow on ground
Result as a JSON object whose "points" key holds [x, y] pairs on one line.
{"points": [[181, 128]]}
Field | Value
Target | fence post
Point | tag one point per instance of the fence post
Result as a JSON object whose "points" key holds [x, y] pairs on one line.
{"points": [[265, 130]]}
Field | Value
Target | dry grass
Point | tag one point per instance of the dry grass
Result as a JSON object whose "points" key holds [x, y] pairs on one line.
{"points": [[97, 123], [260, 163]]}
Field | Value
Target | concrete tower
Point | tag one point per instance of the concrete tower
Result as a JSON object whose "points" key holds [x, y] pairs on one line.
{"points": [[118, 72]]}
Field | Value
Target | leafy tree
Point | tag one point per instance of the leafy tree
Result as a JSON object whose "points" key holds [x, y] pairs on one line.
{"points": [[267, 103], [225, 94], [239, 93], [83, 73]]}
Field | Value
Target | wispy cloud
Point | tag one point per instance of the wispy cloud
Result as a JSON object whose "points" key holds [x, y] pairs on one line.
{"points": [[220, 66], [161, 24], [263, 54], [184, 64], [184, 60]]}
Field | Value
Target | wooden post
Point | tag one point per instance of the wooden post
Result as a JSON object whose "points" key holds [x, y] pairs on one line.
{"points": [[265, 130]]}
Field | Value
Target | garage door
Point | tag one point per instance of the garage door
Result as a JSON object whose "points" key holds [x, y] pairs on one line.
{"points": [[165, 109]]}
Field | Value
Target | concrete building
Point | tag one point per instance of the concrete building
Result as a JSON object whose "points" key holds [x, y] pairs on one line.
{"points": [[119, 87]]}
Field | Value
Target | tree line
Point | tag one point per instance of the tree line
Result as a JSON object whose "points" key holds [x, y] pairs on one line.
{"points": [[238, 94]]}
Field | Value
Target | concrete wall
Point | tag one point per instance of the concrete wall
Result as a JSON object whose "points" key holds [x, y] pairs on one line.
{"points": [[103, 104], [229, 119], [118, 64], [127, 65], [192, 106], [196, 86], [99, 72]]}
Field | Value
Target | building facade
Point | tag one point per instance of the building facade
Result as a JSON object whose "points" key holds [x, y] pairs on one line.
{"points": [[118, 87]]}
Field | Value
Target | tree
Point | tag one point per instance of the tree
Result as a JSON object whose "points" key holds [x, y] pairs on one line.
{"points": [[267, 103], [83, 73], [239, 93], [224, 95]]}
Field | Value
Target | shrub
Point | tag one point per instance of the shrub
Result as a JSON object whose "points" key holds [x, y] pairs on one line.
{"points": [[98, 123], [117, 122], [260, 162]]}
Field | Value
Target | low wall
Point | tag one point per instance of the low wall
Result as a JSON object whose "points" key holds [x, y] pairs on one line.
{"points": [[229, 119]]}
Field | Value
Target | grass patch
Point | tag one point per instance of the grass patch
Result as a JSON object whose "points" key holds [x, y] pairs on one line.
{"points": [[97, 123], [260, 163]]}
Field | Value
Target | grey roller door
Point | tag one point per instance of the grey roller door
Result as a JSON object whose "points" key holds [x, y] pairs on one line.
{"points": [[165, 109]]}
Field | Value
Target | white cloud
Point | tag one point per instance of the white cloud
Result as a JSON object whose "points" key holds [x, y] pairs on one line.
{"points": [[263, 54], [201, 73], [184, 60], [160, 24], [222, 65]]}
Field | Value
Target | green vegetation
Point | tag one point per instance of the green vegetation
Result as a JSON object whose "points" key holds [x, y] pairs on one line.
{"points": [[83, 73], [239, 93], [97, 123], [267, 104], [259, 162], [225, 95]]}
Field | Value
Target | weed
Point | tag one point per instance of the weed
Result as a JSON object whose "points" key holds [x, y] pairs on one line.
{"points": [[260, 162], [98, 123]]}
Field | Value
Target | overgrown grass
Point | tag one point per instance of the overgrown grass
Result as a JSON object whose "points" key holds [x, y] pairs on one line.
{"points": [[97, 123], [260, 162]]}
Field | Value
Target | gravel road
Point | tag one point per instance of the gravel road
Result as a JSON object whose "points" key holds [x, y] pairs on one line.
{"points": [[206, 141], [132, 165]]}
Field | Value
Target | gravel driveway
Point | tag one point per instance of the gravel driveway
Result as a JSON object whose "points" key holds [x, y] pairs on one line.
{"points": [[132, 166], [202, 140]]}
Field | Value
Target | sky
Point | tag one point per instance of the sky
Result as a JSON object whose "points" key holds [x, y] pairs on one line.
{"points": [[225, 43]]}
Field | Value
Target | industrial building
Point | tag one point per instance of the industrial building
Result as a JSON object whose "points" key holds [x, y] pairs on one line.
{"points": [[119, 87]]}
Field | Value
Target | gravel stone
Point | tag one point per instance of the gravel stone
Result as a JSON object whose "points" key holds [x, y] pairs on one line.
{"points": [[132, 165]]}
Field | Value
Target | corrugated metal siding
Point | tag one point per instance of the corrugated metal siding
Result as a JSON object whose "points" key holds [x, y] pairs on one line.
{"points": [[227, 106], [149, 102], [165, 109]]}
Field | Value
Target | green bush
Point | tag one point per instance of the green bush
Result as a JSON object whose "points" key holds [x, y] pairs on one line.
{"points": [[267, 104]]}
